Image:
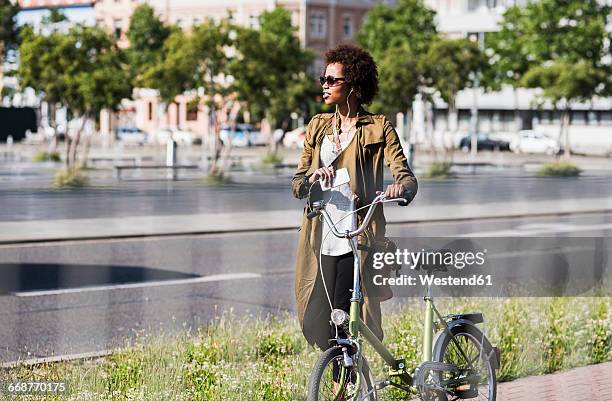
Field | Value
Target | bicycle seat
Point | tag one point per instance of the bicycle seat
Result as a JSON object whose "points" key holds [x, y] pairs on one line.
{"points": [[432, 265]]}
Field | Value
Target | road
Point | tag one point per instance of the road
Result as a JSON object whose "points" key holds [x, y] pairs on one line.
{"points": [[72, 297], [28, 196]]}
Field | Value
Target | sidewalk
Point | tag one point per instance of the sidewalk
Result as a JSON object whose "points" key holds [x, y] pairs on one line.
{"points": [[142, 226], [588, 383]]}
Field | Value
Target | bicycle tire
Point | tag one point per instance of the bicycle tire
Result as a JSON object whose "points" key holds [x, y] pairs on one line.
{"points": [[326, 360], [475, 337]]}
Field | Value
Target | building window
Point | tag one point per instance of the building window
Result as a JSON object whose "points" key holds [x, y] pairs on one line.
{"points": [[117, 23], [192, 112], [480, 5], [150, 111], [347, 27], [254, 21], [579, 117], [318, 25], [605, 118]]}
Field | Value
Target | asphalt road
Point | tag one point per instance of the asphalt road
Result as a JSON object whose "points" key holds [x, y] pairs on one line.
{"points": [[73, 297], [26, 195]]}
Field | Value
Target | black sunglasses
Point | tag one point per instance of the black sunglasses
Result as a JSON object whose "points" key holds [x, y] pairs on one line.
{"points": [[330, 80]]}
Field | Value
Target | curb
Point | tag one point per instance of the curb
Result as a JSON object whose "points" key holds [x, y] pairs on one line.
{"points": [[283, 227], [55, 359]]}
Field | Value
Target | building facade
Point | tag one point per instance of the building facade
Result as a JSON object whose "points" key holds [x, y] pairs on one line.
{"points": [[506, 111], [320, 24]]}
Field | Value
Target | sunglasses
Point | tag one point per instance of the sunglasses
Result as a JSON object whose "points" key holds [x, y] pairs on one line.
{"points": [[330, 80]]}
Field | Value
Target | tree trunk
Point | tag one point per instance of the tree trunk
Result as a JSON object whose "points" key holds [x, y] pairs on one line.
{"points": [[75, 143], [68, 142], [1, 69], [453, 118], [517, 116], [565, 122], [87, 143]]}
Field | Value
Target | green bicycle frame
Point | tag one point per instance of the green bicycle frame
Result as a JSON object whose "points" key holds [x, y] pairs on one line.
{"points": [[357, 326]]}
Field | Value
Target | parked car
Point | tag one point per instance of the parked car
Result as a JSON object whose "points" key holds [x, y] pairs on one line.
{"points": [[295, 138], [131, 135], [529, 141], [183, 137], [161, 136], [244, 135], [483, 142]]}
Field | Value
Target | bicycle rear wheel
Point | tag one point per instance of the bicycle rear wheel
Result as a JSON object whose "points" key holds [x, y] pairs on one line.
{"points": [[331, 381], [478, 383]]}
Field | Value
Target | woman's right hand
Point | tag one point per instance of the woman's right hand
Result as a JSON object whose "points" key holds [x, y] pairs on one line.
{"points": [[327, 173]]}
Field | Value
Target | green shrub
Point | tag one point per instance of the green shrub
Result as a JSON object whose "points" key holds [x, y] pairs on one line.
{"points": [[559, 169], [45, 157], [275, 345], [440, 171], [70, 178], [272, 158], [216, 179]]}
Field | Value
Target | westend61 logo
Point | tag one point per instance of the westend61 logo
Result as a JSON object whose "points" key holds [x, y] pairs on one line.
{"points": [[431, 262]]}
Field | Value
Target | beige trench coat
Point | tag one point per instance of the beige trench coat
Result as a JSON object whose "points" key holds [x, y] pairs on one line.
{"points": [[376, 143]]}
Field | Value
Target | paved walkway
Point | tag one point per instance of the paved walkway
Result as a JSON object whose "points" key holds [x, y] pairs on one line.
{"points": [[76, 229], [589, 383]]}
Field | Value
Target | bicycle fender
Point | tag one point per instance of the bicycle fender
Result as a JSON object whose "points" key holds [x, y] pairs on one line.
{"points": [[491, 352]]}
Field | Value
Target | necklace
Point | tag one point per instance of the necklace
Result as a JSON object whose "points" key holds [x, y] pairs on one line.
{"points": [[337, 143]]}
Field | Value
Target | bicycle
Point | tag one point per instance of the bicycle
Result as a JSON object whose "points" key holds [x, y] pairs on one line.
{"points": [[460, 365]]}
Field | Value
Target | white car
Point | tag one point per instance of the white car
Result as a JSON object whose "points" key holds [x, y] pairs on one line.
{"points": [[295, 139], [244, 135], [529, 141], [183, 137]]}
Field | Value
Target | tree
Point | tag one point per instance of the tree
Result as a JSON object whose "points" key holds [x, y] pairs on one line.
{"points": [[451, 65], [147, 34], [564, 83], [269, 69], [398, 37], [408, 24], [191, 61], [508, 56], [175, 72], [400, 79], [8, 31], [82, 69], [543, 41]]}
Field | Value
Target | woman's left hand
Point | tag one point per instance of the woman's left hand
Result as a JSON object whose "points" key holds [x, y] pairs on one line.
{"points": [[394, 191]]}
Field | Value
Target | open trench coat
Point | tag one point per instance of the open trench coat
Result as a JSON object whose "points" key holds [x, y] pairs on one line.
{"points": [[376, 143]]}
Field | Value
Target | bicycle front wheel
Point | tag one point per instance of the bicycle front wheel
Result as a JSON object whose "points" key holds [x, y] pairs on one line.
{"points": [[331, 381], [475, 377]]}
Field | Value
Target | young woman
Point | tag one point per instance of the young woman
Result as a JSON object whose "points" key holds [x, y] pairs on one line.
{"points": [[361, 142]]}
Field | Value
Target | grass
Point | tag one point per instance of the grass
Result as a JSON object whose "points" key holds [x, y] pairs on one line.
{"points": [[70, 178], [216, 179], [250, 358], [559, 169], [46, 156], [440, 171], [272, 159]]}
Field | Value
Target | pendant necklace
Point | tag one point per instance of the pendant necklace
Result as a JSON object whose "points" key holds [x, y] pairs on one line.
{"points": [[338, 146]]}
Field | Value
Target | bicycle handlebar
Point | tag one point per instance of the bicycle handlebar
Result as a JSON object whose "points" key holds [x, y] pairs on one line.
{"points": [[319, 208]]}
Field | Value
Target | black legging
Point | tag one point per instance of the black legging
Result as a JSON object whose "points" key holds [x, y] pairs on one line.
{"points": [[338, 273]]}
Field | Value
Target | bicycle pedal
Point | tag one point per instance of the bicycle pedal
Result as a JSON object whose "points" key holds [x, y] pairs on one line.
{"points": [[379, 385]]}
